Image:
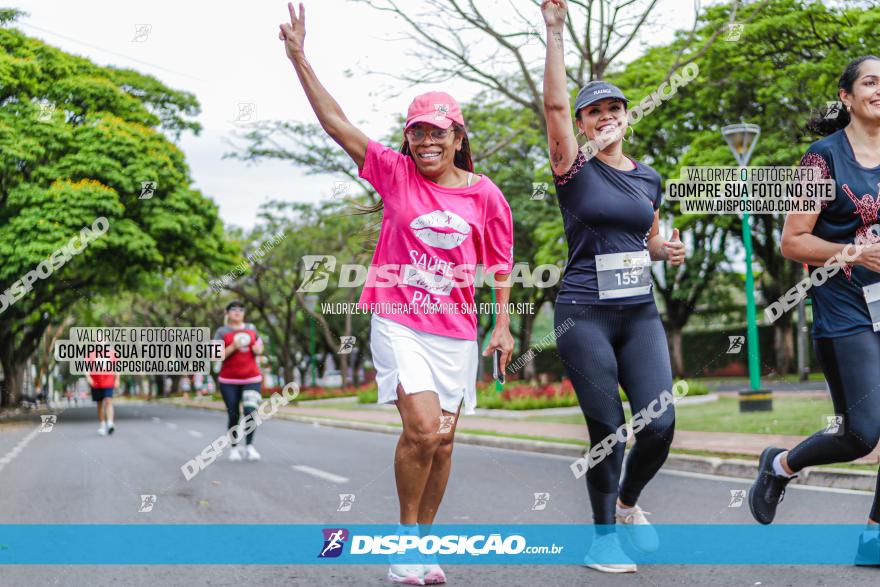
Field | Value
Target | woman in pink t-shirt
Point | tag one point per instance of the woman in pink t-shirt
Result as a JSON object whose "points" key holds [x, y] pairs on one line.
{"points": [[439, 222]]}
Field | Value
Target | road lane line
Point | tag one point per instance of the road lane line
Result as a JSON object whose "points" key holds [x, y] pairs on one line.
{"points": [[8, 457], [195, 433], [320, 474], [171, 425]]}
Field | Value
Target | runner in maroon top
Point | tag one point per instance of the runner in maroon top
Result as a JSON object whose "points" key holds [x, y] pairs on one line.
{"points": [[240, 378]]}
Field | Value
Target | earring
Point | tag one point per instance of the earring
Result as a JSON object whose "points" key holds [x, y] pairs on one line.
{"points": [[848, 108], [631, 137]]}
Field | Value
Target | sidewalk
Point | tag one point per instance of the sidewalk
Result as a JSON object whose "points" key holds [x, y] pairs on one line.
{"points": [[723, 443]]}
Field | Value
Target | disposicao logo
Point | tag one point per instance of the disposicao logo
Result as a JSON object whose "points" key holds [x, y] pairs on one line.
{"points": [[334, 541]]}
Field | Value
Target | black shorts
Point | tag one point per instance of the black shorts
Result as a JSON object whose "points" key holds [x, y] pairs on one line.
{"points": [[99, 393]]}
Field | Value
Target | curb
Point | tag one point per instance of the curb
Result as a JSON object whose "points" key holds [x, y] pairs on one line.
{"points": [[19, 414], [740, 468], [576, 410], [507, 414]]}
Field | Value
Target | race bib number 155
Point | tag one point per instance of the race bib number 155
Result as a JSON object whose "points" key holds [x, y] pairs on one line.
{"points": [[623, 275]]}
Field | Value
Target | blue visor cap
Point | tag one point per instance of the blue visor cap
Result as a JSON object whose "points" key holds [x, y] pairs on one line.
{"points": [[595, 92]]}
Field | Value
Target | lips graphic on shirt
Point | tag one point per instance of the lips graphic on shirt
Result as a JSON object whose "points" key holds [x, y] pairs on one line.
{"points": [[441, 228]]}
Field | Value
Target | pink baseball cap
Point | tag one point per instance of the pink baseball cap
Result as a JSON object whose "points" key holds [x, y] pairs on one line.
{"points": [[437, 108]]}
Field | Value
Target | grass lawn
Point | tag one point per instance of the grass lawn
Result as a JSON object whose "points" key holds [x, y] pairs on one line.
{"points": [[788, 378], [799, 417]]}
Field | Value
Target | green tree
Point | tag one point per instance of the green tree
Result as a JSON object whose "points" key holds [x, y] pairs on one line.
{"points": [[77, 141]]}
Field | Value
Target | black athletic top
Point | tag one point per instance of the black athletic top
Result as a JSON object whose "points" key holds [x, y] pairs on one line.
{"points": [[839, 306], [604, 210]]}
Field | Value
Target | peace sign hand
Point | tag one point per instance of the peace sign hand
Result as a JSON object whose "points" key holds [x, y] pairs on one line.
{"points": [[294, 34]]}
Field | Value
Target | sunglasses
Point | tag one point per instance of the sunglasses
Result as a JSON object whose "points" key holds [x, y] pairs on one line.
{"points": [[234, 308], [418, 135]]}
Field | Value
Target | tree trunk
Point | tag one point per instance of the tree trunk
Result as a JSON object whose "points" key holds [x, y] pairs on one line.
{"points": [[675, 354], [783, 345], [286, 367], [356, 367], [13, 373], [160, 385]]}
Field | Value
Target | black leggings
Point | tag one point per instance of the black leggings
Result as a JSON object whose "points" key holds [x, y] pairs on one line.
{"points": [[606, 345], [232, 393], [851, 365]]}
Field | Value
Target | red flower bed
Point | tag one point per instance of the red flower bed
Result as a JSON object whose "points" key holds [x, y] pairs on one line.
{"points": [[310, 392], [524, 390]]}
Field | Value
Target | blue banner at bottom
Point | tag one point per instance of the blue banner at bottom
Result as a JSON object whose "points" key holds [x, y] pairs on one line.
{"points": [[530, 544]]}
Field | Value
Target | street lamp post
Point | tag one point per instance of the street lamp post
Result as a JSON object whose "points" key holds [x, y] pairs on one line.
{"points": [[742, 138], [311, 303]]}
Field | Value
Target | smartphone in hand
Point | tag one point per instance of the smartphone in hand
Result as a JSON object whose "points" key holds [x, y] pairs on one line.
{"points": [[497, 371]]}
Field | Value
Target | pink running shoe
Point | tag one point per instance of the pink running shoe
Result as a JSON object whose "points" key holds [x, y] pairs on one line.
{"points": [[435, 575]]}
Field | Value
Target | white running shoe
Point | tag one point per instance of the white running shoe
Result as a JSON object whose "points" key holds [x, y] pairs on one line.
{"points": [[638, 529], [103, 429], [252, 454], [407, 574], [606, 555], [235, 454]]}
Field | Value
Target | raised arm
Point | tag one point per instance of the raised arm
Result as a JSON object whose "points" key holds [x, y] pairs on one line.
{"points": [[329, 114], [557, 107]]}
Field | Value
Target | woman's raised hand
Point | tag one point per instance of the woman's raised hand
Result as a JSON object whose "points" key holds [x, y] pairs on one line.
{"points": [[327, 110], [554, 12], [294, 34]]}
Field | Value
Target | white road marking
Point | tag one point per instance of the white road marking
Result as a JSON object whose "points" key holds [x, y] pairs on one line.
{"points": [[195, 433], [18, 448], [320, 474], [171, 425]]}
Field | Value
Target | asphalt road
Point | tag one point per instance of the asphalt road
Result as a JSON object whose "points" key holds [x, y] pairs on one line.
{"points": [[73, 476]]}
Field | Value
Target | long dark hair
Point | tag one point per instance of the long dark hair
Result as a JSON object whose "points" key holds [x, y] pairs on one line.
{"points": [[463, 160], [823, 125]]}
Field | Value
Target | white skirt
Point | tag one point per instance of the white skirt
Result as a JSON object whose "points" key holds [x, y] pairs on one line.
{"points": [[421, 361]]}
